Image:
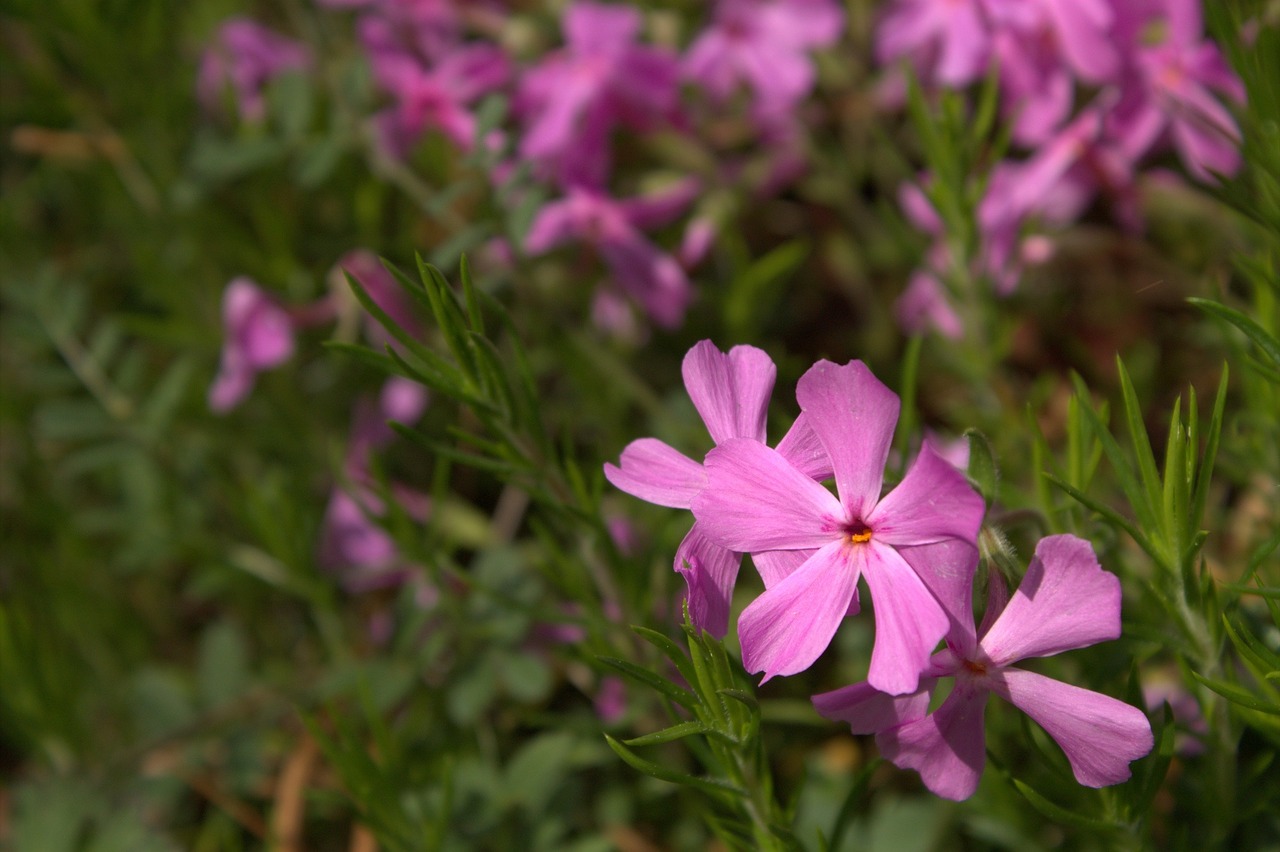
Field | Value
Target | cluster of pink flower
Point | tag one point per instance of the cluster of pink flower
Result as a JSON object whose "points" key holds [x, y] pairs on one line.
{"points": [[915, 546], [260, 335], [1147, 77], [435, 59]]}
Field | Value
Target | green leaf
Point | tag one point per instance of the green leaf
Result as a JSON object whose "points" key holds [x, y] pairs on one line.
{"points": [[1107, 512], [982, 470], [1259, 335], [1129, 484], [666, 735], [670, 649], [712, 786], [1060, 814], [1237, 695], [1138, 438], [1204, 470], [679, 695], [1250, 647]]}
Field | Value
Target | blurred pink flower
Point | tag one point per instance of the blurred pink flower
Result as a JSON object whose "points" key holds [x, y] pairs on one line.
{"points": [[571, 100], [430, 94], [764, 45], [614, 228], [1174, 73], [246, 56], [258, 336]]}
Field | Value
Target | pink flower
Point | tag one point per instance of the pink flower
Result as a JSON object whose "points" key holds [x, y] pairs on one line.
{"points": [[247, 56], [915, 546], [731, 393], [613, 227], [1065, 601], [763, 44], [1174, 73], [430, 96], [573, 99], [259, 336]]}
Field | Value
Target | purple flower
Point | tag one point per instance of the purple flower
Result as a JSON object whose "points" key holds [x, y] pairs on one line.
{"points": [[613, 228], [731, 393], [1065, 601], [763, 44], [1169, 90], [259, 336], [247, 56], [573, 99], [915, 546], [430, 96]]}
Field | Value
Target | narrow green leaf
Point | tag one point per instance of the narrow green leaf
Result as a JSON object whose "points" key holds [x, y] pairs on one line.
{"points": [[1129, 484], [679, 695], [666, 735], [439, 448], [1237, 695], [1204, 470], [910, 408], [982, 471], [670, 649], [711, 786], [1138, 438], [1271, 592], [1250, 648], [1109, 514], [1059, 813], [470, 295], [1259, 335]]}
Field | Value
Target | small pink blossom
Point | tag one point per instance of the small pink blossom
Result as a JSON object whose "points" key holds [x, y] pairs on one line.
{"points": [[764, 45], [1065, 601], [572, 100], [614, 228], [247, 56], [258, 336]]}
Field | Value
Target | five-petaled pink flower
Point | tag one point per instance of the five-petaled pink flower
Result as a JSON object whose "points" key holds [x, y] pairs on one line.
{"points": [[731, 392], [1065, 601], [915, 546]]}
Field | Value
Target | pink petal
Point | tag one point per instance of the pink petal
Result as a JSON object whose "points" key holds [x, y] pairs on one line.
{"points": [[785, 629], [710, 572], [731, 392], [947, 748], [801, 447], [657, 473], [600, 27], [1065, 601], [933, 502], [755, 500], [909, 621], [1099, 734], [853, 414], [870, 711], [775, 566], [947, 569]]}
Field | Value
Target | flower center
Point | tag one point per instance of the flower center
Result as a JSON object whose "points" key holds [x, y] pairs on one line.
{"points": [[974, 667], [859, 533]]}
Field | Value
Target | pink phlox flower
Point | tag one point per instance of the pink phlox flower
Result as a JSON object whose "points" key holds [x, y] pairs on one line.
{"points": [[731, 393], [614, 228], [947, 41], [1173, 75], [764, 45], [258, 336], [574, 97], [1167, 689], [1065, 601], [916, 545], [247, 56], [924, 306], [434, 94]]}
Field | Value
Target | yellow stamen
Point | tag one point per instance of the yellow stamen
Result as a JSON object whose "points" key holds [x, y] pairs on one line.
{"points": [[860, 537]]}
